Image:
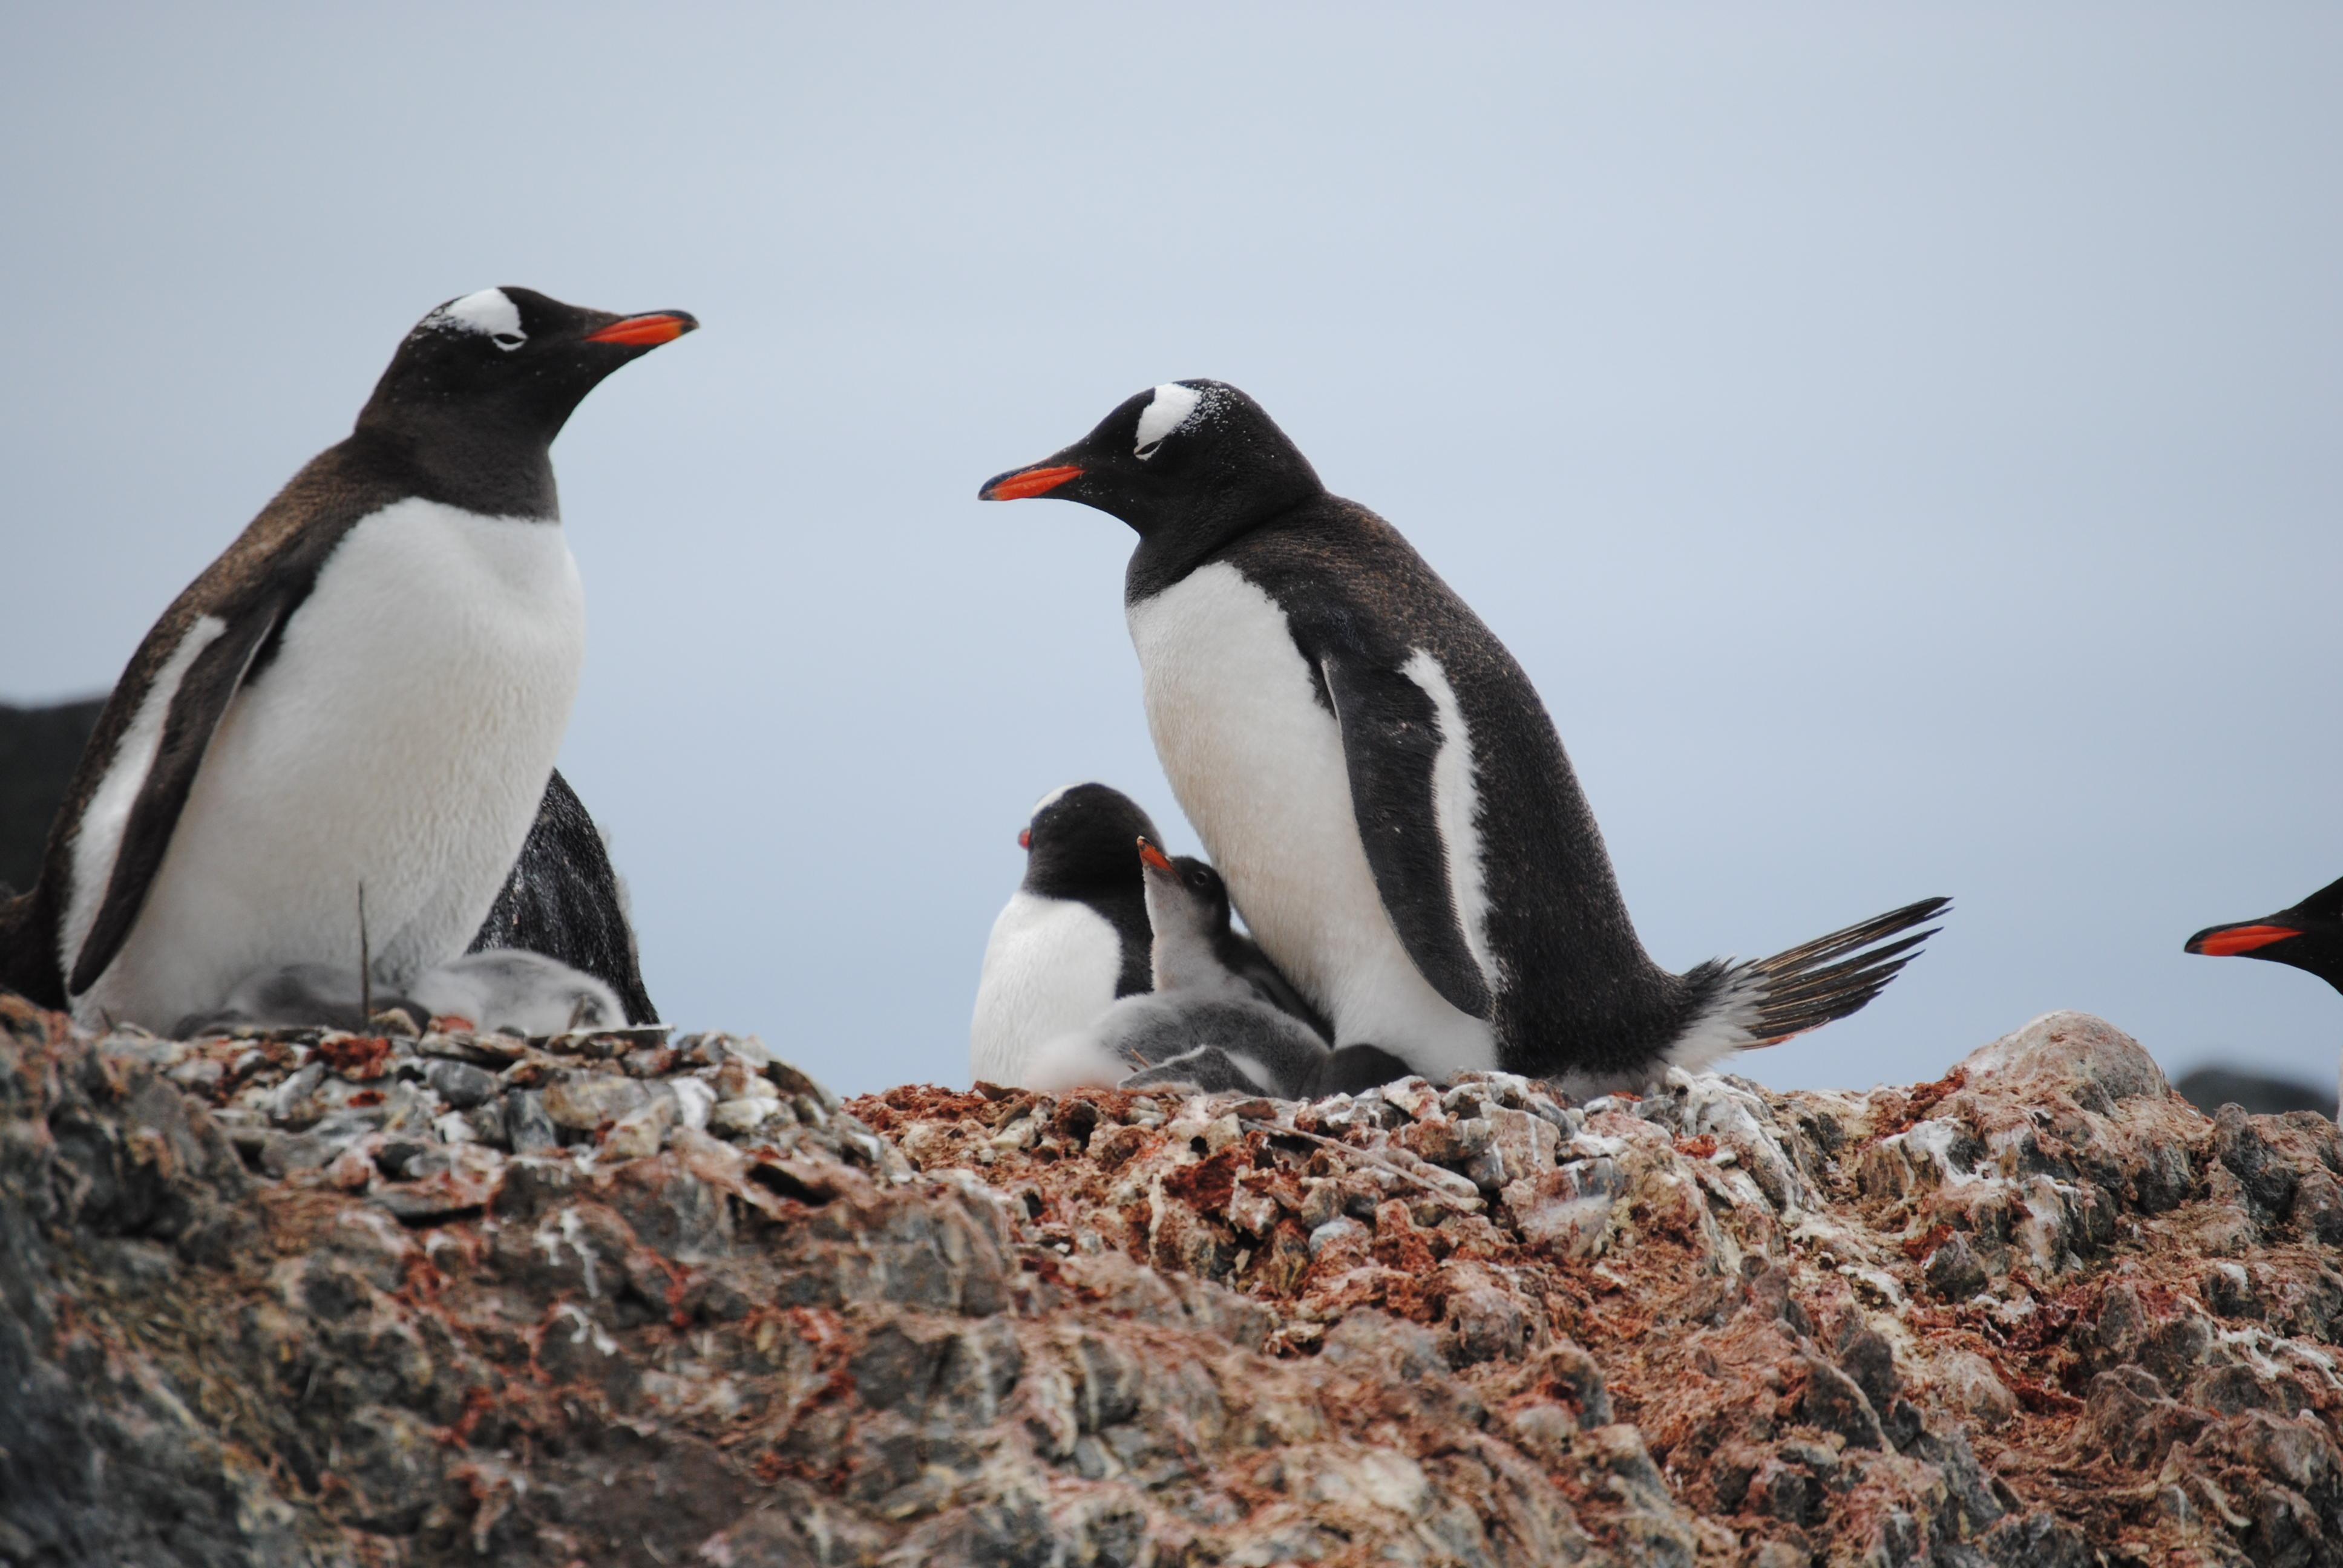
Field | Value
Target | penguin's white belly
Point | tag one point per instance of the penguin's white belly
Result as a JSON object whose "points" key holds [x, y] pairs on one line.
{"points": [[1257, 764], [1050, 967], [399, 740]]}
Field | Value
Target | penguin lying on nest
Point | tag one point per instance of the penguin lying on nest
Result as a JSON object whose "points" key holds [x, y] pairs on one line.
{"points": [[1075, 937], [1204, 1025], [518, 992], [361, 698], [1381, 788]]}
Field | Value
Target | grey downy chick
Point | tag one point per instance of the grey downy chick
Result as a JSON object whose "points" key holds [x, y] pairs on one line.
{"points": [[506, 988], [1206, 1024]]}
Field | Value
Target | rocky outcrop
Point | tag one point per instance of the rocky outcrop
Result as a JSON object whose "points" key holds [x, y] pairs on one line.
{"points": [[632, 1299]]}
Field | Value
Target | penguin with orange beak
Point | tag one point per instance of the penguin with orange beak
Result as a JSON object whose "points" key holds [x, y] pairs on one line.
{"points": [[2309, 936]]}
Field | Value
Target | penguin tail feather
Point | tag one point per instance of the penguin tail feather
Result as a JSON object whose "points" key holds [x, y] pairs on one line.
{"points": [[1817, 982]]}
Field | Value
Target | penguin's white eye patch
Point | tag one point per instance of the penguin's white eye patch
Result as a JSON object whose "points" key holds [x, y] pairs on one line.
{"points": [[1166, 412], [490, 312]]}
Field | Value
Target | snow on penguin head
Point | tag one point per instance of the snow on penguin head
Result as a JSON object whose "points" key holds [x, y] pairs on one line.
{"points": [[1173, 406], [490, 312]]}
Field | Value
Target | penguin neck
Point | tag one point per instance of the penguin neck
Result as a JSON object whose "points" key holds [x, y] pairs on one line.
{"points": [[459, 463], [1182, 958], [1169, 551]]}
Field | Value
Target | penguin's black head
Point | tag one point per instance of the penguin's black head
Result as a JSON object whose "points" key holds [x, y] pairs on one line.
{"points": [[1184, 455], [1078, 844], [2309, 936], [507, 364]]}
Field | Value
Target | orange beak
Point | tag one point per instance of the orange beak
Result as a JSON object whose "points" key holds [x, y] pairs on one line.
{"points": [[1024, 837], [1153, 858], [647, 331], [1027, 482], [2229, 941]]}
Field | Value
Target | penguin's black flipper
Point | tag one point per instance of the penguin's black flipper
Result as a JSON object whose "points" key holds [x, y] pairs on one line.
{"points": [[562, 901], [210, 683], [1391, 744]]}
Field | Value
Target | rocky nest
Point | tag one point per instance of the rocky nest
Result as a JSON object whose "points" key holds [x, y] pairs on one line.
{"points": [[627, 1298]]}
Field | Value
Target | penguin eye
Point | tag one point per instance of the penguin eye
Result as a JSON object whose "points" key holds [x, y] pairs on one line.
{"points": [[508, 341], [1149, 449]]}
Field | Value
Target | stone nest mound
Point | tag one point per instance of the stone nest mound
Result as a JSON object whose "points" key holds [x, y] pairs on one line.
{"points": [[628, 1298]]}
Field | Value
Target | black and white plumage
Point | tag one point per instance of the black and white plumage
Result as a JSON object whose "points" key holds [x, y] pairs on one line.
{"points": [[1203, 1025], [367, 689], [1380, 785], [564, 900], [1075, 936], [510, 989], [1072, 937]]}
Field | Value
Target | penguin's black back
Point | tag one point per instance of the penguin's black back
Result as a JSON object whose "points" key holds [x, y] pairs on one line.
{"points": [[563, 901]]}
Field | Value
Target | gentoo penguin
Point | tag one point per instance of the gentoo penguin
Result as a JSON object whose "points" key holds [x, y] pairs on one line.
{"points": [[2309, 936], [1074, 937], [1380, 784], [509, 989], [563, 899], [1201, 1024], [362, 697]]}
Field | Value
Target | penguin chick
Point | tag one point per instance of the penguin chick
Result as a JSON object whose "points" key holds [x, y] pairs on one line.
{"points": [[507, 989], [1075, 935], [1205, 1024]]}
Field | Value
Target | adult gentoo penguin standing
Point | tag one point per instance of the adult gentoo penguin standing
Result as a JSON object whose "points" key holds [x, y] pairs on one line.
{"points": [[1378, 782], [363, 693]]}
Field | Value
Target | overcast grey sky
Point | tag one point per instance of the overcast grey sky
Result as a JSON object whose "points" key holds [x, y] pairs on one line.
{"points": [[1902, 443]]}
